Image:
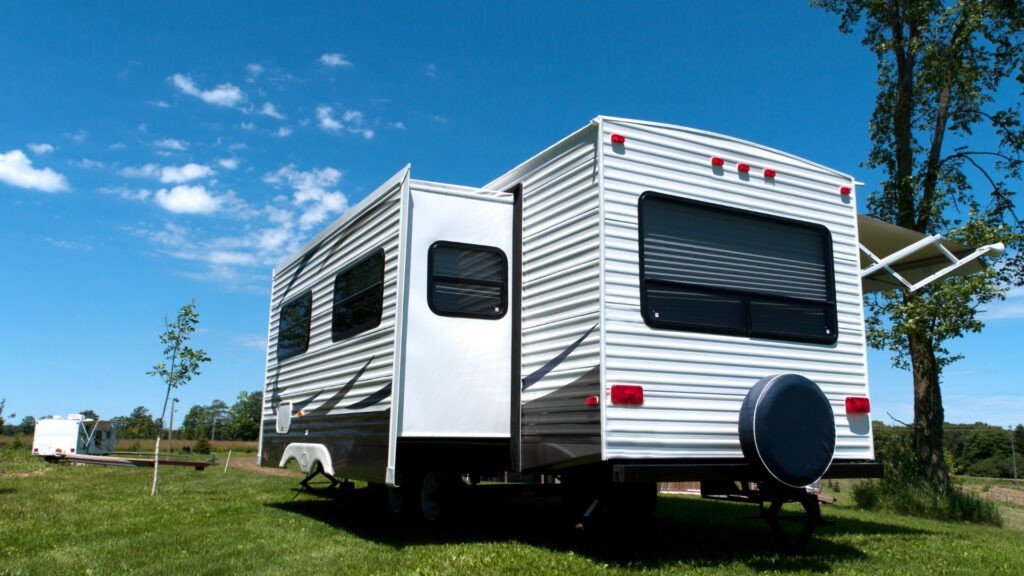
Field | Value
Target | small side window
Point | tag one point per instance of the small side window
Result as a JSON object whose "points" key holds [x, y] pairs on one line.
{"points": [[467, 280], [293, 326], [358, 297]]}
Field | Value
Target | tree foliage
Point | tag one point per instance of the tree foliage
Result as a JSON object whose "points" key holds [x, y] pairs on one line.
{"points": [[950, 155], [27, 426], [138, 424]]}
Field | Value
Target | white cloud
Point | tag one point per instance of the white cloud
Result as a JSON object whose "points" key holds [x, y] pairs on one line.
{"points": [[171, 144], [69, 244], [284, 132], [88, 164], [40, 149], [187, 200], [268, 109], [16, 169], [247, 126], [128, 193], [334, 60], [439, 119], [117, 146], [326, 120], [311, 192], [351, 121], [397, 125], [1012, 307], [254, 70], [228, 163], [158, 103], [79, 136], [430, 70], [226, 94], [169, 174]]}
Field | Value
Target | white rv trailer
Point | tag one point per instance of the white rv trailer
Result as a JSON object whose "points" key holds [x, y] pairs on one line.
{"points": [[56, 437], [639, 302]]}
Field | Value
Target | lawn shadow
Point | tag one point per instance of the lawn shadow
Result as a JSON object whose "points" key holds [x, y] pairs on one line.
{"points": [[697, 532]]}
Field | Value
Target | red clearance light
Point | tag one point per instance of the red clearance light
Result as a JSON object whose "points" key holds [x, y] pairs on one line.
{"points": [[857, 405], [618, 139], [769, 173], [72, 450], [35, 449], [627, 395], [845, 190], [716, 161], [593, 401], [743, 167]]}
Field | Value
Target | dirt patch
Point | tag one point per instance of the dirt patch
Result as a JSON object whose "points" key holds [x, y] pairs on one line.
{"points": [[247, 463]]}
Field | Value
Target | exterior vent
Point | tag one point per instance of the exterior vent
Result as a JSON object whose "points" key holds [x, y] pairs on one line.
{"points": [[284, 417]]}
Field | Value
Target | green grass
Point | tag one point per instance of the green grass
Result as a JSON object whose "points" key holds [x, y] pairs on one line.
{"points": [[58, 519]]}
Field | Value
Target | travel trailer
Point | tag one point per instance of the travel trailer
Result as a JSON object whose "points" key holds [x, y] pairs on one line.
{"points": [[57, 437], [637, 303]]}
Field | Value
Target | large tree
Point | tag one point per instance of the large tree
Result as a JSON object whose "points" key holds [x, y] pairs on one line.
{"points": [[244, 417], [949, 148]]}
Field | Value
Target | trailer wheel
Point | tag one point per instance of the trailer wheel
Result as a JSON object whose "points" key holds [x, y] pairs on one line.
{"points": [[438, 495]]}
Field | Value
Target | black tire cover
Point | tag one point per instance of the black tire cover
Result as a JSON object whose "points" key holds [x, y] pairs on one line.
{"points": [[787, 429]]}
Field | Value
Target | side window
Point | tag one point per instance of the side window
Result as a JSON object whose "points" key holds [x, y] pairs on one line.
{"points": [[358, 297], [293, 326], [467, 280]]}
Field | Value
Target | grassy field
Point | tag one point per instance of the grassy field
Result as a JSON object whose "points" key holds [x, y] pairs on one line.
{"points": [[59, 519]]}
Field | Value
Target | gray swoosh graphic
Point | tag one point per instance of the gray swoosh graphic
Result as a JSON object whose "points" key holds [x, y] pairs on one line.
{"points": [[337, 397], [543, 371], [372, 398]]}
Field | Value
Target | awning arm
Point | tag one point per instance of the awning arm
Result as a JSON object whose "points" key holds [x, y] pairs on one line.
{"points": [[954, 262]]}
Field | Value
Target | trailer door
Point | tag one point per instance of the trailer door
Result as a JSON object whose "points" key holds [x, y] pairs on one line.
{"points": [[457, 351]]}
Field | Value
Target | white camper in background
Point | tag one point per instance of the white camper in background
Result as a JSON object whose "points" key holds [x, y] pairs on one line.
{"points": [[639, 302], [57, 437]]}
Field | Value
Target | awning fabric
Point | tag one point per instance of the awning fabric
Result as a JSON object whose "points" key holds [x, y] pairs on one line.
{"points": [[895, 257]]}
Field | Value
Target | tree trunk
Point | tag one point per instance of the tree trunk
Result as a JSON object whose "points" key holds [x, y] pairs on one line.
{"points": [[928, 414]]}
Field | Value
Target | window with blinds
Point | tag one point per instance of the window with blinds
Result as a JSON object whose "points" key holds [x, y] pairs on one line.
{"points": [[358, 297], [467, 280], [707, 268], [293, 326]]}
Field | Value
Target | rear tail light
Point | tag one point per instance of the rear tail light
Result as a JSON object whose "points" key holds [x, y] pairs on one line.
{"points": [[858, 405], [627, 395]]}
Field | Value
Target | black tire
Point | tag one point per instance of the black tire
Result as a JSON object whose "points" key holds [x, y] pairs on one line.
{"points": [[438, 495]]}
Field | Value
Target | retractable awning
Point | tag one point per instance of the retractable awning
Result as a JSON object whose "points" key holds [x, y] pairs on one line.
{"points": [[895, 257]]}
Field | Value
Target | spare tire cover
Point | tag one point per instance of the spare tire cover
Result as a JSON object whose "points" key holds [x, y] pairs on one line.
{"points": [[787, 429]]}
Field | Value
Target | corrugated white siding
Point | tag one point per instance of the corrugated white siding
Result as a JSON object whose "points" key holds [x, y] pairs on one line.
{"points": [[560, 306], [326, 366], [694, 383]]}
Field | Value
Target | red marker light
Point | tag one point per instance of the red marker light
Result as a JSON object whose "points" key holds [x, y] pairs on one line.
{"points": [[845, 190], [769, 173], [741, 167], [627, 395], [592, 401], [857, 405], [716, 161], [618, 139]]}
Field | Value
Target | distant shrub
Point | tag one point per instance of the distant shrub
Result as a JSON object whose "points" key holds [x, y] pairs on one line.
{"points": [[904, 490], [202, 445]]}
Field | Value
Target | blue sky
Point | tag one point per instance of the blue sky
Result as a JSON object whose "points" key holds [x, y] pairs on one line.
{"points": [[155, 152]]}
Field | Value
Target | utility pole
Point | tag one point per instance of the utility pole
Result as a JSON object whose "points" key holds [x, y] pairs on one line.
{"points": [[170, 431], [213, 430], [1013, 453]]}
